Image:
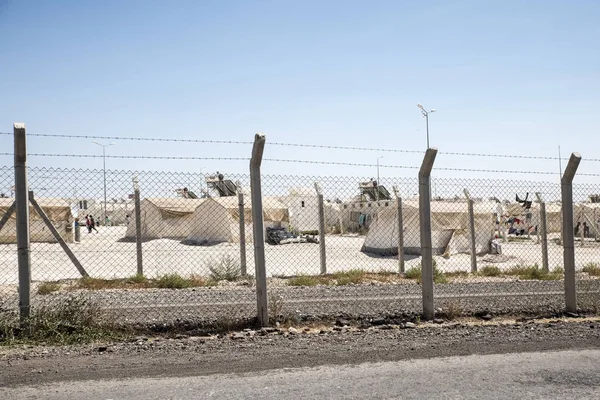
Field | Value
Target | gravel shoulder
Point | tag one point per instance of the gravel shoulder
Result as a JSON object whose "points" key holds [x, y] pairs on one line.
{"points": [[254, 351]]}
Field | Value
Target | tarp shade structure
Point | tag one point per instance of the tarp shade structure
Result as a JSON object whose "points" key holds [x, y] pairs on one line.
{"points": [[216, 220], [169, 218], [449, 228], [57, 210], [553, 215]]}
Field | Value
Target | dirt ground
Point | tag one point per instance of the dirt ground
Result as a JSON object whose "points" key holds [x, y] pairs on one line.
{"points": [[256, 350], [104, 255]]}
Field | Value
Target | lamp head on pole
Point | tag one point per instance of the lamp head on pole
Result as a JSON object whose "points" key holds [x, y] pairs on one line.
{"points": [[420, 106]]}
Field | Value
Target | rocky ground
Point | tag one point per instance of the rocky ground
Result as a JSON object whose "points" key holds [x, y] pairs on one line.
{"points": [[339, 342]]}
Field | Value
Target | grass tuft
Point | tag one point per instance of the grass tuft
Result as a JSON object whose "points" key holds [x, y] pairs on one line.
{"points": [[69, 320], [225, 269], [490, 270], [307, 280], [533, 272], [48, 287], [138, 278], [172, 281], [593, 269], [352, 277], [415, 273]]}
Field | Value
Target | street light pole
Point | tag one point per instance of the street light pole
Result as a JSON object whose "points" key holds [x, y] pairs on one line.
{"points": [[378, 158], [104, 146], [425, 114]]}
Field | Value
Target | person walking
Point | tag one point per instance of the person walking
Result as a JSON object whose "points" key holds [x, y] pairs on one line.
{"points": [[127, 218], [93, 224], [88, 223]]}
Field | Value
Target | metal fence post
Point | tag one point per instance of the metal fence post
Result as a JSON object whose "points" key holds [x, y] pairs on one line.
{"points": [[22, 209], [544, 232], [258, 229], [321, 229], [568, 234], [470, 204], [242, 219], [400, 222], [138, 226], [425, 230]]}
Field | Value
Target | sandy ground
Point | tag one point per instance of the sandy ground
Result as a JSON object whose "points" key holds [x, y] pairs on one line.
{"points": [[103, 255]]}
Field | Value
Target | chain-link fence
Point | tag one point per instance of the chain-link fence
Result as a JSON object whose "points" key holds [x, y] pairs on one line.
{"points": [[329, 254]]}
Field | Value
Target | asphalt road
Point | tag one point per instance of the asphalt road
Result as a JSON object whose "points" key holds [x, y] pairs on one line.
{"points": [[547, 375]]}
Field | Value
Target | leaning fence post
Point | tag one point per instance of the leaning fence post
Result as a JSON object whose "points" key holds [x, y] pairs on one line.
{"points": [[56, 235], [425, 225], [242, 218], [568, 234], [258, 229], [321, 229], [470, 204], [22, 209], [544, 231], [400, 222], [138, 226]]}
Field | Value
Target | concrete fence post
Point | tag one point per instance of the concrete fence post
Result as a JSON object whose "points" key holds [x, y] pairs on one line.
{"points": [[567, 231], [138, 226], [581, 230], [543, 232], [23, 234], [258, 229], [400, 228], [242, 218], [322, 248], [472, 233], [425, 231]]}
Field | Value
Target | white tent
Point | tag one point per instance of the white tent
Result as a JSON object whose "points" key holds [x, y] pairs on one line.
{"points": [[170, 218], [588, 213], [57, 210], [449, 228], [303, 205], [216, 220]]}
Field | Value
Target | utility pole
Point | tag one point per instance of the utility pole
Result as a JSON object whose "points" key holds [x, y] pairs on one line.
{"points": [[425, 114], [104, 146]]}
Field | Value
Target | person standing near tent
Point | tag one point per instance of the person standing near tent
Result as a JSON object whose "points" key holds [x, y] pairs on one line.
{"points": [[93, 224], [127, 218]]}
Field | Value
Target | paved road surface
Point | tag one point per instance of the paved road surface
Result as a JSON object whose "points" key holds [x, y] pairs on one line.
{"points": [[543, 375]]}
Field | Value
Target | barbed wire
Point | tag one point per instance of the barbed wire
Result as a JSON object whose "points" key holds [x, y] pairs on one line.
{"points": [[295, 161], [134, 157], [305, 145]]}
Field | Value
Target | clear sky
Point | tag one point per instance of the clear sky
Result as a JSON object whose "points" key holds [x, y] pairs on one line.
{"points": [[510, 77]]}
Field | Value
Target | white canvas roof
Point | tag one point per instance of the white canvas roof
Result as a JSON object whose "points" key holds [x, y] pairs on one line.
{"points": [[217, 220], [58, 211], [170, 218], [449, 228]]}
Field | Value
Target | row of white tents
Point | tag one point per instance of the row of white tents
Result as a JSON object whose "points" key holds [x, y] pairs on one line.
{"points": [[214, 220], [203, 221], [450, 229]]}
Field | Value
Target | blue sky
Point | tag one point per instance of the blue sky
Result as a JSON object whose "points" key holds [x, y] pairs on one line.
{"points": [[509, 77]]}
